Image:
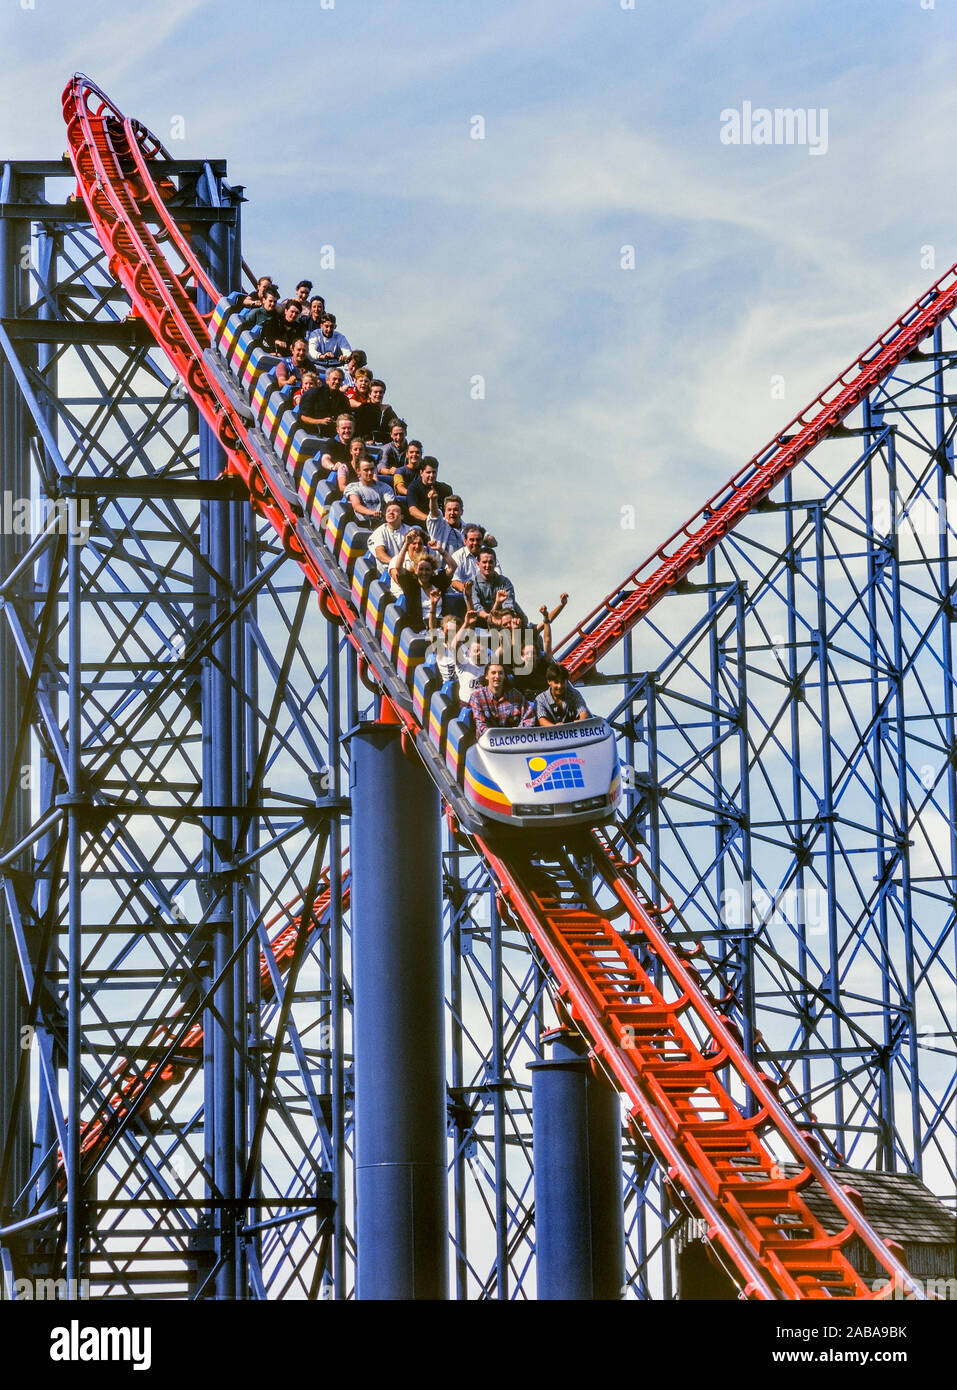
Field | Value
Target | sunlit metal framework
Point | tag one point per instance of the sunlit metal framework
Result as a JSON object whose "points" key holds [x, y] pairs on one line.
{"points": [[790, 719], [175, 789], [175, 783]]}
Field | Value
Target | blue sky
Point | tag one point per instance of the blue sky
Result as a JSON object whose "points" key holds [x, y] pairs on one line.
{"points": [[454, 257]]}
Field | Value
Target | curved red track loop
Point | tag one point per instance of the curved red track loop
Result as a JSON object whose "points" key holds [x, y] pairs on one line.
{"points": [[673, 561], [708, 1146], [124, 201], [136, 1088]]}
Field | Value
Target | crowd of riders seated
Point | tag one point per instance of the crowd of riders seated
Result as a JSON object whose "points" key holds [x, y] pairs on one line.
{"points": [[443, 571]]}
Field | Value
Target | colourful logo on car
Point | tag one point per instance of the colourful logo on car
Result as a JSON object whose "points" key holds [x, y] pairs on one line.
{"points": [[554, 772]]}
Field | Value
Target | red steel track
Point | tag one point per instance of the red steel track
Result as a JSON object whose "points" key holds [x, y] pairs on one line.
{"points": [[673, 561], [664, 1046], [179, 1043]]}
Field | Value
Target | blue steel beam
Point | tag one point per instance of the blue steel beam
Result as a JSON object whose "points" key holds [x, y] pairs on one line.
{"points": [[400, 1097]]}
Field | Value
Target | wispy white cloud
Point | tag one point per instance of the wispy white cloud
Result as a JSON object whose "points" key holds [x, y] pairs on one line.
{"points": [[500, 257]]}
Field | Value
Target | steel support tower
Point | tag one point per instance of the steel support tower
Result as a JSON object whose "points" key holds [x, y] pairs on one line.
{"points": [[176, 1041]]}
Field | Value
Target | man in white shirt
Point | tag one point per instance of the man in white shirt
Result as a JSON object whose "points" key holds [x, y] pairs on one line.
{"points": [[470, 664], [385, 542], [369, 495], [466, 558], [328, 344], [445, 530]]}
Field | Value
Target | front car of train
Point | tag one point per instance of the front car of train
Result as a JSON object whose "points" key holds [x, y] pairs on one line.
{"points": [[566, 775]]}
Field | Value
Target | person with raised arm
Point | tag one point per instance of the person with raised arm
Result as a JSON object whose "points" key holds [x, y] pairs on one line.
{"points": [[536, 652], [493, 594], [414, 547], [418, 488], [428, 581], [445, 529]]}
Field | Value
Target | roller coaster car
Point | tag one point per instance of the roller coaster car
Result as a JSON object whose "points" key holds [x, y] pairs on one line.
{"points": [[545, 778]]}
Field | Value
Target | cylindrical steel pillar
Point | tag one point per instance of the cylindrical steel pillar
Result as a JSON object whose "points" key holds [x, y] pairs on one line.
{"points": [[15, 1040], [400, 1100], [579, 1198], [223, 766]]}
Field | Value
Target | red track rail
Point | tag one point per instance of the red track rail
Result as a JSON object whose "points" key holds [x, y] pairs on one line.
{"points": [[109, 155], [709, 1147], [712, 1150], [673, 561], [136, 1088]]}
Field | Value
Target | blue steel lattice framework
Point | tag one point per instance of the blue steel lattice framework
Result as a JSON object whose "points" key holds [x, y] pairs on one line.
{"points": [[789, 719], [174, 1086], [197, 1082], [790, 722]]}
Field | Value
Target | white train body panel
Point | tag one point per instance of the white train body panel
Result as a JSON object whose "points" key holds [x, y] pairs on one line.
{"points": [[566, 775]]}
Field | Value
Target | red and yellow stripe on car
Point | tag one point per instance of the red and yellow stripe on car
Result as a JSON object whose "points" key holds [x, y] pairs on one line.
{"points": [[457, 739], [313, 494], [412, 649], [354, 544], [393, 625], [288, 425], [241, 348], [362, 577], [225, 309], [264, 388], [484, 792], [377, 601], [440, 713], [271, 416], [254, 371], [335, 525], [228, 335], [424, 684]]}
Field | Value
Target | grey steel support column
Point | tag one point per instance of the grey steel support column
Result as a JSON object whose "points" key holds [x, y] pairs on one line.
{"points": [[457, 1072], [401, 1174], [45, 1144], [74, 1200], [223, 777], [14, 795], [221, 1015], [579, 1201], [337, 1001], [499, 1114]]}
